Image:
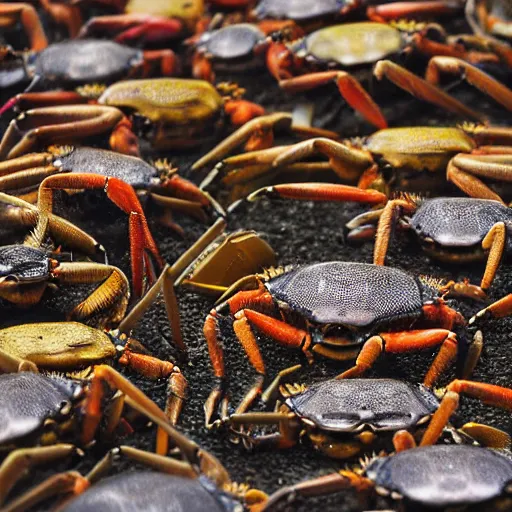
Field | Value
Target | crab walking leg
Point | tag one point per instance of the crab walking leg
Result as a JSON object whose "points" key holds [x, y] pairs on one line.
{"points": [[494, 242], [403, 440], [498, 309], [123, 196], [30, 100], [61, 230], [473, 75], [463, 170], [56, 124], [320, 486], [411, 10], [64, 14], [320, 192], [408, 341], [387, 221], [18, 462], [112, 294], [10, 13], [350, 89], [55, 485], [496, 396], [422, 89]]}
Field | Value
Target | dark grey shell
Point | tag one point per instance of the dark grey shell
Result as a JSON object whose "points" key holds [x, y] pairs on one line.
{"points": [[234, 41], [85, 61], [134, 171], [458, 221], [298, 10], [151, 492], [24, 263], [444, 476], [27, 399], [352, 294], [348, 405]]}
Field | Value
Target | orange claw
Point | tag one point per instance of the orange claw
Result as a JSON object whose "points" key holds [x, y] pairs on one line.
{"points": [[123, 140], [241, 111]]}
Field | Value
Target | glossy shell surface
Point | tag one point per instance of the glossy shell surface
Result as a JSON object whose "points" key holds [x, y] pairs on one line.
{"points": [[458, 222], [351, 44], [27, 399], [57, 345], [129, 493], [444, 476], [234, 42], [172, 100], [346, 405], [84, 61], [353, 294], [299, 10], [134, 171]]}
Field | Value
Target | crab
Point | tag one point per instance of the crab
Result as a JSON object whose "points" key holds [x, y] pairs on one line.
{"points": [[344, 418], [490, 18], [369, 42], [70, 64], [339, 310], [177, 112], [197, 482], [480, 476], [404, 159], [160, 182], [151, 22], [47, 408]]}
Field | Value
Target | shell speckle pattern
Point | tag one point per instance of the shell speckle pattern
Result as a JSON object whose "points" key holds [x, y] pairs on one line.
{"points": [[344, 405], [354, 294]]}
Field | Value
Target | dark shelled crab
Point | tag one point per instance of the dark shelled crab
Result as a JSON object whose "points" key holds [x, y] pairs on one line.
{"points": [[70, 64], [345, 418], [67, 403], [417, 476], [160, 181], [170, 112], [341, 311], [197, 482]]}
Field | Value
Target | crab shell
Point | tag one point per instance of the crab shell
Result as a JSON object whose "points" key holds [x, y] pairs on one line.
{"points": [[129, 492], [300, 10], [350, 44], [28, 399], [444, 476], [459, 224]]}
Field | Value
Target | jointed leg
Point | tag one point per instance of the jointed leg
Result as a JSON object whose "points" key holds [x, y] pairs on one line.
{"points": [[495, 242], [487, 393], [11, 12], [498, 309]]}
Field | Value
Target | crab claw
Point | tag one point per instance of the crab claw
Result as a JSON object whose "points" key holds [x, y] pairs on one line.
{"points": [[123, 140]]}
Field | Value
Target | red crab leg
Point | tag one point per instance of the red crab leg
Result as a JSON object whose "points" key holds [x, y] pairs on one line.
{"points": [[166, 58], [320, 192], [422, 89], [407, 341], [123, 196], [350, 89], [472, 74], [496, 396], [411, 10]]}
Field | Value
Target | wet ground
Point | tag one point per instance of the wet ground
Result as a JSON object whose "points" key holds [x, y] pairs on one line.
{"points": [[300, 232]]}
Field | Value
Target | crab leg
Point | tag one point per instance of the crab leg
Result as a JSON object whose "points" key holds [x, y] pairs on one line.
{"points": [[422, 89], [407, 341], [123, 196], [320, 192], [495, 242], [18, 462], [498, 309], [26, 100], [64, 14], [11, 12], [463, 170], [411, 10], [496, 396], [472, 74], [350, 89], [348, 163], [56, 124]]}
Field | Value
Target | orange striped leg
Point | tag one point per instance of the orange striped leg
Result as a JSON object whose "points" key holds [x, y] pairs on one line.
{"points": [[498, 309], [496, 396]]}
